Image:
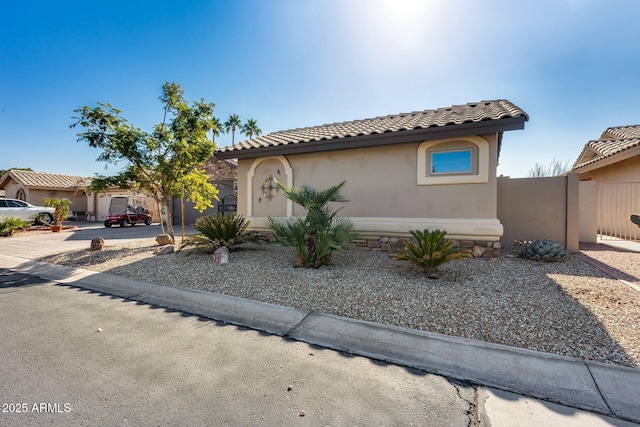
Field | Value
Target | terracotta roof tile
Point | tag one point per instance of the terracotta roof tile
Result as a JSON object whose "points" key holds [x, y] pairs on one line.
{"points": [[441, 117], [603, 148], [48, 180], [621, 132]]}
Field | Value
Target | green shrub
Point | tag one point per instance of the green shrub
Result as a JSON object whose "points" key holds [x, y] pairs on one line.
{"points": [[10, 224], [431, 251], [321, 232], [544, 250], [222, 230]]}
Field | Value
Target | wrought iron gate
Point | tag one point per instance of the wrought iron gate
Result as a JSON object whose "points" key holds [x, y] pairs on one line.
{"points": [[616, 203]]}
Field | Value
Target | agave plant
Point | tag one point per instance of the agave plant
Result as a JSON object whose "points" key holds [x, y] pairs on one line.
{"points": [[321, 232], [431, 251], [222, 230], [544, 250]]}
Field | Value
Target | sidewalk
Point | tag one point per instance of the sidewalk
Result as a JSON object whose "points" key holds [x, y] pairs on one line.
{"points": [[594, 387]]}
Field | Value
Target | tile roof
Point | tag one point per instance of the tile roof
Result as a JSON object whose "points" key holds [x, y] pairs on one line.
{"points": [[621, 132], [614, 140], [471, 113], [47, 180]]}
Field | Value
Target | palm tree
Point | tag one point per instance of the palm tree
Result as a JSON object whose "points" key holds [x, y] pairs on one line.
{"points": [[251, 128], [320, 232], [217, 127], [231, 124]]}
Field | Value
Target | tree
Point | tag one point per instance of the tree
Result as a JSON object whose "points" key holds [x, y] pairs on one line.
{"points": [[251, 128], [231, 124], [217, 127], [321, 232], [161, 163], [555, 168]]}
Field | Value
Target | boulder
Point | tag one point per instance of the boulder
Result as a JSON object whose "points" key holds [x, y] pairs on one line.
{"points": [[221, 255], [163, 250], [164, 239], [97, 244]]}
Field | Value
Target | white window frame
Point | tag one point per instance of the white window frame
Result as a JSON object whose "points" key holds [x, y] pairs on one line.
{"points": [[479, 159]]}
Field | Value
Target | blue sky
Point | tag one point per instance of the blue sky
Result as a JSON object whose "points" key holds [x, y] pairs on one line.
{"points": [[572, 65]]}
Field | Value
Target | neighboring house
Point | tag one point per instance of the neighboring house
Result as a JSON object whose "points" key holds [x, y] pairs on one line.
{"points": [[33, 187], [613, 162], [224, 175], [426, 169]]}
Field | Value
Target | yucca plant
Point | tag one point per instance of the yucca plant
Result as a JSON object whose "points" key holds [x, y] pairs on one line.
{"points": [[222, 230], [10, 224], [321, 232], [431, 251]]}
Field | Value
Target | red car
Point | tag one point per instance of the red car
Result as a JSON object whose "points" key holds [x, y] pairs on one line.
{"points": [[123, 214]]}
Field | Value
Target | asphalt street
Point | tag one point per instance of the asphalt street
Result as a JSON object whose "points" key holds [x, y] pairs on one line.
{"points": [[93, 359]]}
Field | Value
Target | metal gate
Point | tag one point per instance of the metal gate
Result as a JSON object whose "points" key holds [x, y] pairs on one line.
{"points": [[616, 203], [191, 214]]}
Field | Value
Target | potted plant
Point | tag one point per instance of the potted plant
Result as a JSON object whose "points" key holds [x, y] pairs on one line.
{"points": [[62, 208]]}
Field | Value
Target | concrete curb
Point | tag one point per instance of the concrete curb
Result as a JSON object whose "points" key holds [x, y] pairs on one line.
{"points": [[596, 387]]}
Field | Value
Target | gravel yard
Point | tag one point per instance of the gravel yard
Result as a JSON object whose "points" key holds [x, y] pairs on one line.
{"points": [[569, 308]]}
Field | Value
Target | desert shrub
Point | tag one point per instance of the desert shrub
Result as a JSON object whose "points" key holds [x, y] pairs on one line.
{"points": [[321, 232], [544, 250], [430, 251], [222, 230], [10, 224]]}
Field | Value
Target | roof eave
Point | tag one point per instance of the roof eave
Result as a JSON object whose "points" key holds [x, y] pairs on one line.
{"points": [[388, 138], [608, 160]]}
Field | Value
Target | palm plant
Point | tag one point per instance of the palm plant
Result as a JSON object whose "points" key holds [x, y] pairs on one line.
{"points": [[222, 230], [250, 128], [231, 124], [10, 224], [217, 127], [61, 206], [430, 251], [316, 236]]}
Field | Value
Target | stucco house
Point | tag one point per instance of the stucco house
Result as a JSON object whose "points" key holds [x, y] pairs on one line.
{"points": [[424, 169], [612, 162], [33, 186]]}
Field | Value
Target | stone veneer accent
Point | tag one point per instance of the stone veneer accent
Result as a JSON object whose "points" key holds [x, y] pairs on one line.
{"points": [[221, 170], [479, 248]]}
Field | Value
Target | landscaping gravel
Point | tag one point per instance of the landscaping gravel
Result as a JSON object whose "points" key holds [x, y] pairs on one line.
{"points": [[569, 308]]}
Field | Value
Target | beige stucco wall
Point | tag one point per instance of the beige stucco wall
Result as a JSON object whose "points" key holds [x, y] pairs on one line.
{"points": [[588, 211], [624, 171], [539, 208], [381, 186]]}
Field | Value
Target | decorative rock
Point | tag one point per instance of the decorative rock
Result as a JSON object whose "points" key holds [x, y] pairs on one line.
{"points": [[221, 255], [386, 247], [477, 251], [373, 244], [384, 239], [163, 250], [393, 240], [164, 239], [97, 244], [497, 245]]}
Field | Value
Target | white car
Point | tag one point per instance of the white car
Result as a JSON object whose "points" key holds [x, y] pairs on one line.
{"points": [[26, 211]]}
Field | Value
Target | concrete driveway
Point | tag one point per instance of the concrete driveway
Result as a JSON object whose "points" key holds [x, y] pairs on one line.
{"points": [[33, 245]]}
